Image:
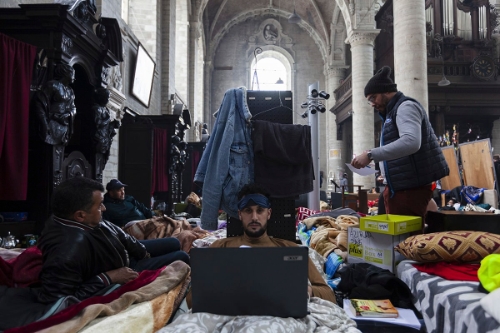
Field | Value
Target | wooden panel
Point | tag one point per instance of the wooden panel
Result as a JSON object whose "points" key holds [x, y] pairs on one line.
{"points": [[136, 158], [453, 179], [18, 229], [477, 164]]}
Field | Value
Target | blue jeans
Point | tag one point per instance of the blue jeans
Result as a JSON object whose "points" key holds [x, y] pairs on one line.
{"points": [[163, 251]]}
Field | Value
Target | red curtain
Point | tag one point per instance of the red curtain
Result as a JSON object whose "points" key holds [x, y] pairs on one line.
{"points": [[160, 161], [16, 70], [195, 160]]}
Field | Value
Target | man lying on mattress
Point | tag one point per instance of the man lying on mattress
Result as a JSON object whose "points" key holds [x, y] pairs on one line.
{"points": [[83, 254], [254, 210]]}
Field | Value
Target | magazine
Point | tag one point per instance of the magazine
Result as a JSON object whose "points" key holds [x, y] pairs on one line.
{"points": [[406, 317], [373, 308]]}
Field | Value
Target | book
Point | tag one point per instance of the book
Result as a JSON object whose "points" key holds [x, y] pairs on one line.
{"points": [[406, 318], [373, 308]]}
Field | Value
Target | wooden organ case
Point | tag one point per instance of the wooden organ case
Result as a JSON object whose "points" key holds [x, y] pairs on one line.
{"points": [[65, 35]]}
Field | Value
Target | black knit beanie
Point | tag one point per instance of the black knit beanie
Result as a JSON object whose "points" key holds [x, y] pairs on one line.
{"points": [[381, 82]]}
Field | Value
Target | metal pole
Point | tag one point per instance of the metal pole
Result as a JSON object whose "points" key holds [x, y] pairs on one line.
{"points": [[313, 197]]}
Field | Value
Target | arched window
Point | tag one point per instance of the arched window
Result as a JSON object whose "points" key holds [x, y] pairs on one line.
{"points": [[270, 72]]}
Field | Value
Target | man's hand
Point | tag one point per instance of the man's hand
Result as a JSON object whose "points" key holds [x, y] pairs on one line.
{"points": [[360, 161], [122, 275]]}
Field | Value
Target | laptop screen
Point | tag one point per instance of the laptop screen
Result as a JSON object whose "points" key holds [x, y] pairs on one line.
{"points": [[250, 281]]}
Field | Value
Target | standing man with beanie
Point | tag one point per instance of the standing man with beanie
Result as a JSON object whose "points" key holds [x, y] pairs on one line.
{"points": [[409, 155]]}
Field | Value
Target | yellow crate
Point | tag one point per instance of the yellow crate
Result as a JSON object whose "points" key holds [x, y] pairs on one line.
{"points": [[391, 224]]}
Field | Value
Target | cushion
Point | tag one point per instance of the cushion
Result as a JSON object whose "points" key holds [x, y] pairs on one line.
{"points": [[303, 213], [450, 246]]}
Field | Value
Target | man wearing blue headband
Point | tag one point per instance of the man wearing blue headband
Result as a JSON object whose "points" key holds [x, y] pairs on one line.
{"points": [[254, 210]]}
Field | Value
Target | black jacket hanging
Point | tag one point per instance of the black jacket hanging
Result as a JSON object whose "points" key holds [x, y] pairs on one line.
{"points": [[283, 158]]}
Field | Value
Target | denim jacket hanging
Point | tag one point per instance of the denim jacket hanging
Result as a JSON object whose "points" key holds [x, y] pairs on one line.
{"points": [[227, 161]]}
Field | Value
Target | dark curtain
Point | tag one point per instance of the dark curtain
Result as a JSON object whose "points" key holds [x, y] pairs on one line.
{"points": [[16, 70], [160, 161], [195, 160]]}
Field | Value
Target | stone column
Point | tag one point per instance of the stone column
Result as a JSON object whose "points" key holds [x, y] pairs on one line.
{"points": [[192, 94], [207, 93], [331, 165], [410, 50], [168, 56], [363, 135]]}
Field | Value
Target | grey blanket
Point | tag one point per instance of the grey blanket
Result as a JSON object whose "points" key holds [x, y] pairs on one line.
{"points": [[324, 317]]}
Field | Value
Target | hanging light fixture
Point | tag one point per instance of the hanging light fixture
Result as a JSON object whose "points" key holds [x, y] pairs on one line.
{"points": [[280, 81], [255, 78], [294, 18], [444, 81]]}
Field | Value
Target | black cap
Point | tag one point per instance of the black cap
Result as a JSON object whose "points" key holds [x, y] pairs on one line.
{"points": [[381, 82], [114, 184]]}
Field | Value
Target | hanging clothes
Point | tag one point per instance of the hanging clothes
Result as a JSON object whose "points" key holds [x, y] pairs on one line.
{"points": [[227, 162], [283, 158]]}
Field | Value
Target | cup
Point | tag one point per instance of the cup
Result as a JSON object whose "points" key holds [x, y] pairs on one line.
{"points": [[30, 240]]}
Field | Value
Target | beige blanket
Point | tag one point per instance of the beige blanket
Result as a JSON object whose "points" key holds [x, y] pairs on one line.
{"points": [[164, 226], [331, 234], [144, 310]]}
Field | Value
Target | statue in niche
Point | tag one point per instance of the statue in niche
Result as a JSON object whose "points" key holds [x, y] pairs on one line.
{"points": [[117, 78], [55, 107], [105, 129], [438, 39], [270, 32]]}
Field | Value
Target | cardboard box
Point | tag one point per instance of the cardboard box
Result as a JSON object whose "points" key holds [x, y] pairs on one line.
{"points": [[374, 248], [391, 224]]}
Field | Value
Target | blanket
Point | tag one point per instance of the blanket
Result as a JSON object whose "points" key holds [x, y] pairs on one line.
{"points": [[330, 234], [21, 270], [164, 226], [163, 292], [7, 254], [324, 317], [447, 306]]}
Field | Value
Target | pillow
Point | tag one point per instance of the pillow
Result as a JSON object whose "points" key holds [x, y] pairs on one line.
{"points": [[450, 246], [303, 213]]}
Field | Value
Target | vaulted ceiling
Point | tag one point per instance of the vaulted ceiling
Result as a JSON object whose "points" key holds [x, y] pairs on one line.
{"points": [[219, 16], [317, 13]]}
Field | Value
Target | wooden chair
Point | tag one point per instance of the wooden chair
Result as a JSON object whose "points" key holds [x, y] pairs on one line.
{"points": [[356, 201]]}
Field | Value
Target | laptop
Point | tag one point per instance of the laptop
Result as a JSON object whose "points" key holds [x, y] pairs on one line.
{"points": [[250, 281]]}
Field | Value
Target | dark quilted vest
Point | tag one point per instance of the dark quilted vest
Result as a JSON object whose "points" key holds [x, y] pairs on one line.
{"points": [[421, 168]]}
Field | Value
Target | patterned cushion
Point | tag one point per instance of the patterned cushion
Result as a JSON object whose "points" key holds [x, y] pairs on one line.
{"points": [[303, 213], [450, 246]]}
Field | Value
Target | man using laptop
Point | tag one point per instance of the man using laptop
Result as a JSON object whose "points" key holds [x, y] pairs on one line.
{"points": [[254, 210]]}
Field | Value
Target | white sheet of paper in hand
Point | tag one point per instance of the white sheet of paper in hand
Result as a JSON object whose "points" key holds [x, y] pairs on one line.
{"points": [[366, 171]]}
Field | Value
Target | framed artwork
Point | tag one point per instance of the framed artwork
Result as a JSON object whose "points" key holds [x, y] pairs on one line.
{"points": [[143, 76]]}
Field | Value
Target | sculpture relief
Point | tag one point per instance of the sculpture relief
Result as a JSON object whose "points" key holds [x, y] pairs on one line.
{"points": [[270, 32], [117, 78], [55, 107], [105, 128], [106, 75]]}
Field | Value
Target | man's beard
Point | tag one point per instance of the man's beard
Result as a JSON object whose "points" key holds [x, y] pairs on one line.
{"points": [[255, 234]]}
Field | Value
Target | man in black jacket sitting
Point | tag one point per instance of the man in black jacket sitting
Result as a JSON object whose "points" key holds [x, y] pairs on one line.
{"points": [[121, 208], [83, 254]]}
